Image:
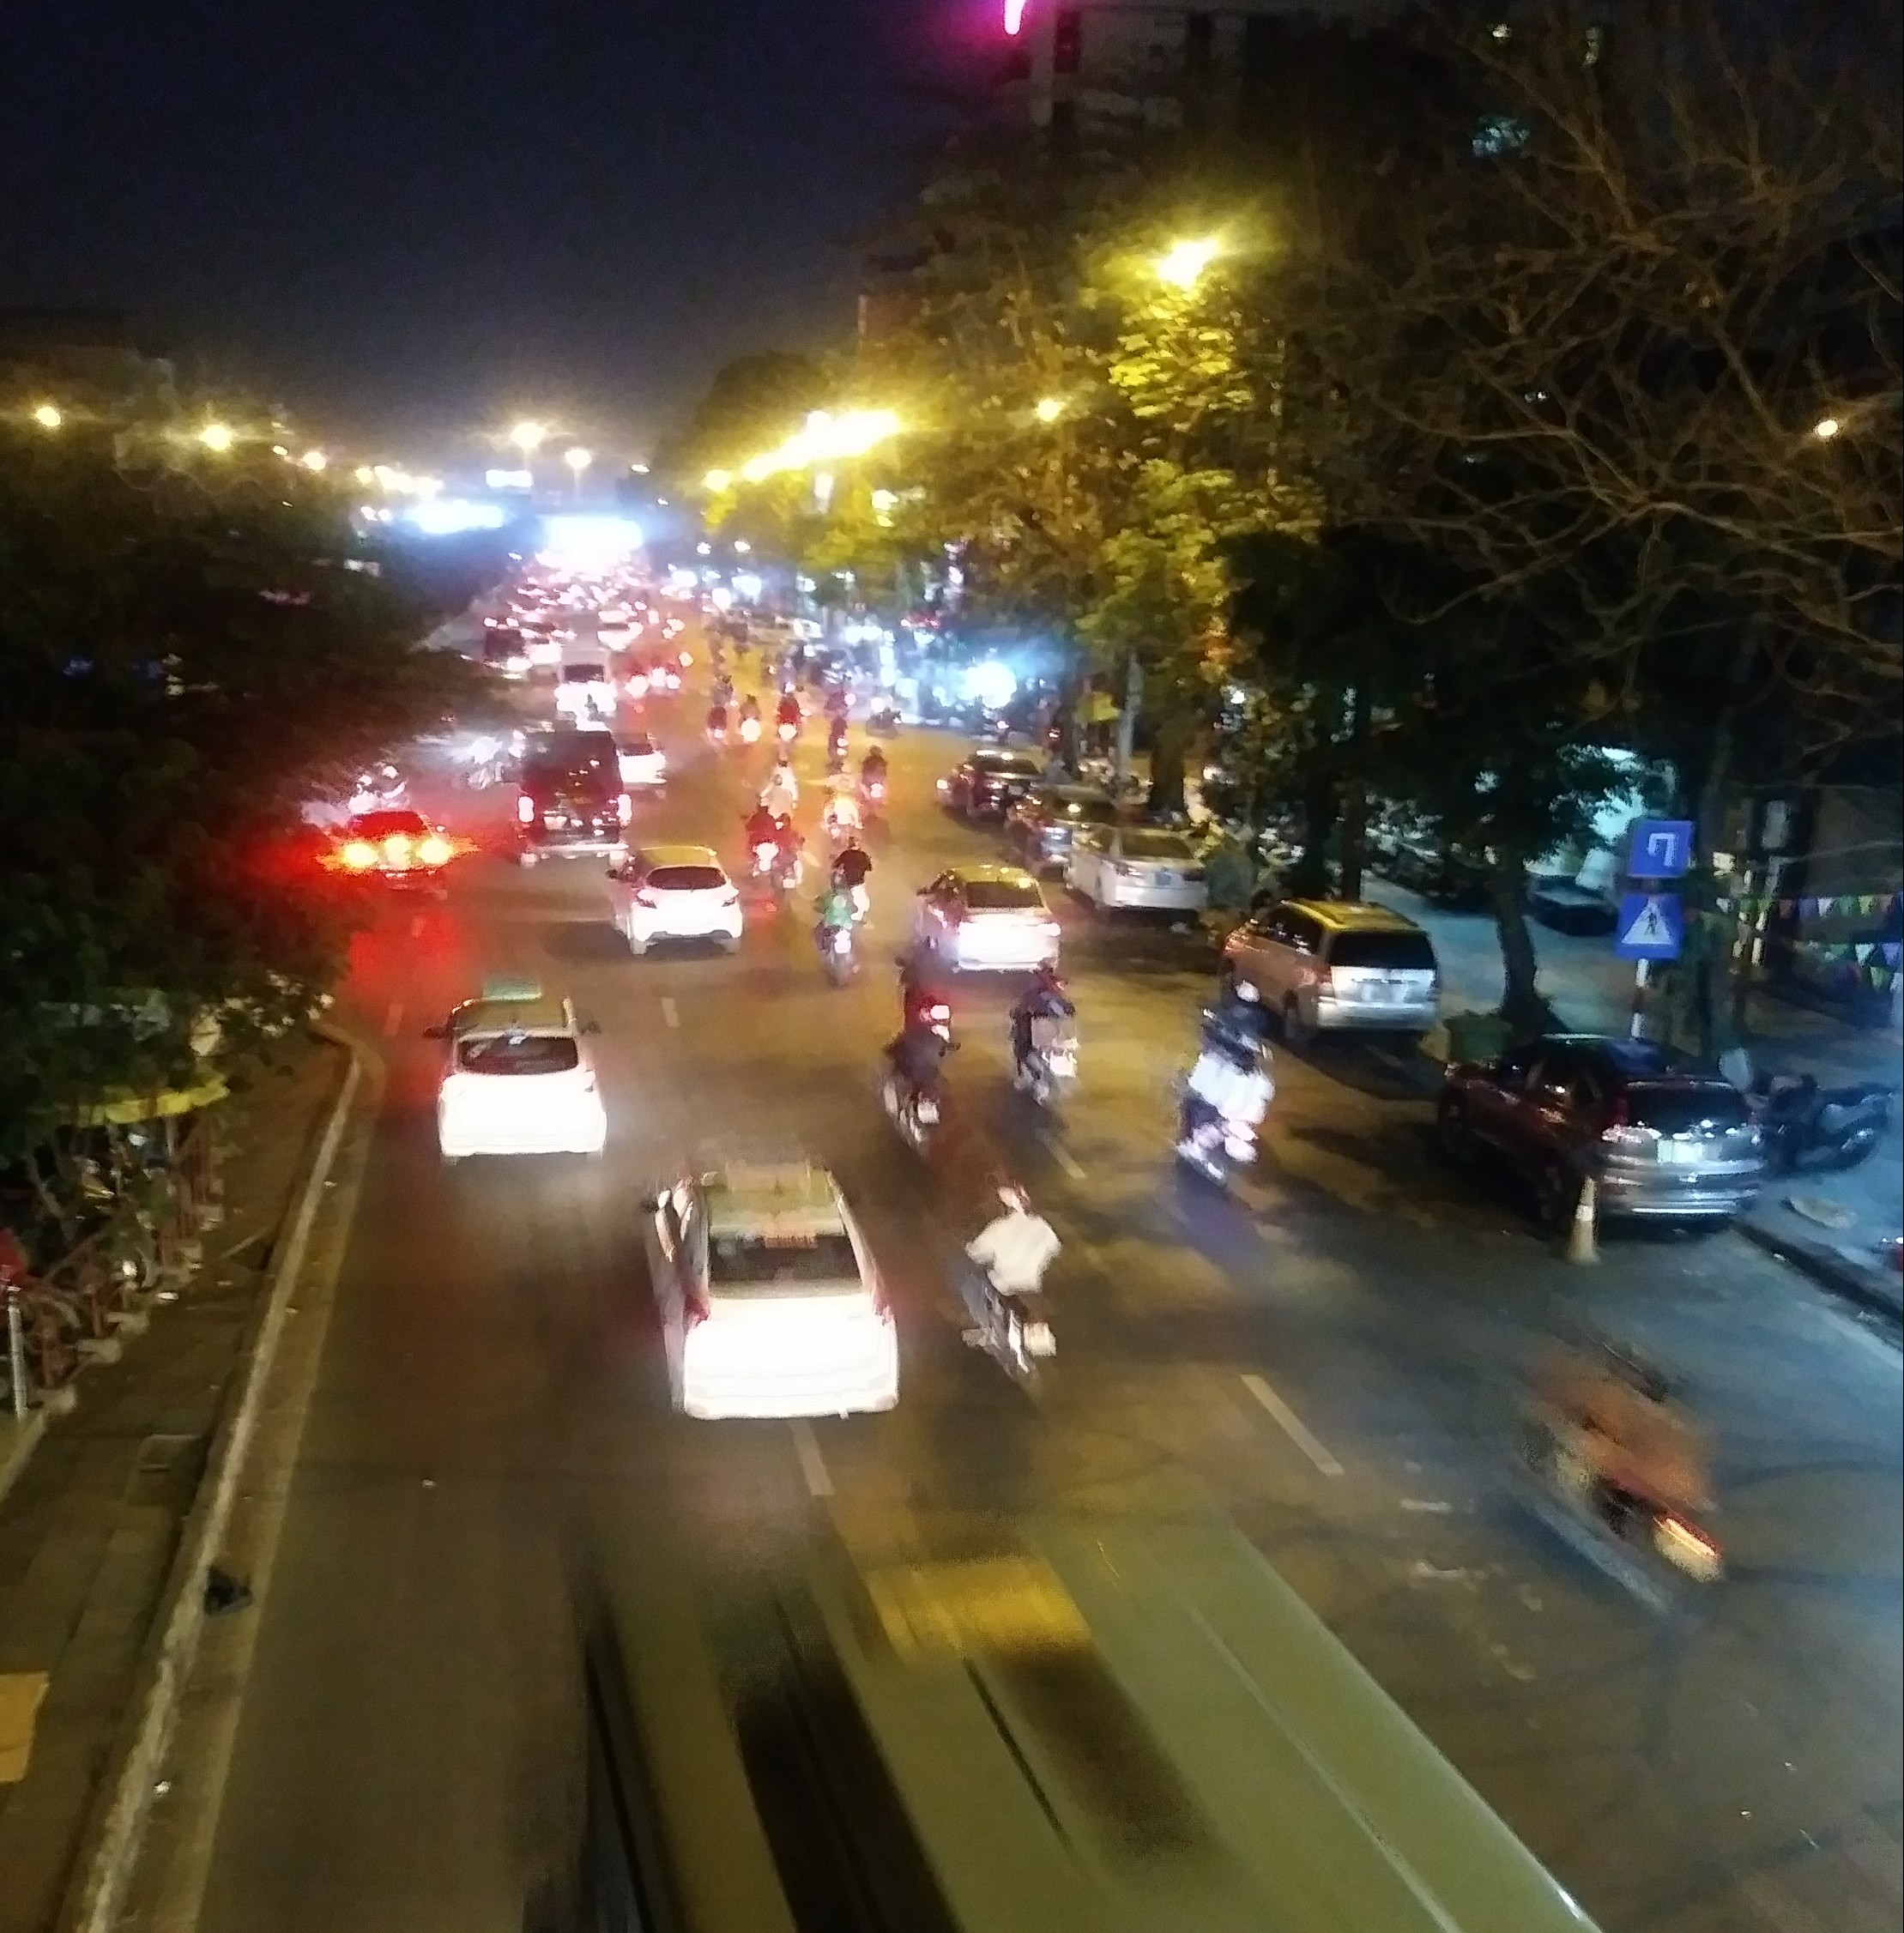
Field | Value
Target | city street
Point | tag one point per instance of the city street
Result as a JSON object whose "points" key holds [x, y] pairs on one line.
{"points": [[1329, 1361]]}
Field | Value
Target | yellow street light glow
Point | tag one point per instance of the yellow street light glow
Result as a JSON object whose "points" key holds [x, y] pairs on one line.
{"points": [[314, 461], [717, 479], [741, 547], [578, 458], [1826, 428], [217, 437], [364, 473], [1182, 264], [825, 438], [278, 450], [528, 436], [1050, 409], [48, 416]]}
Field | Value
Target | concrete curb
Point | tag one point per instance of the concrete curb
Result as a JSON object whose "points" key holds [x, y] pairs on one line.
{"points": [[95, 1892], [1826, 1267], [22, 1447]]}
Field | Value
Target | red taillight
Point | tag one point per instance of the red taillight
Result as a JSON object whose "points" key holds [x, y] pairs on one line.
{"points": [[359, 855], [525, 809]]}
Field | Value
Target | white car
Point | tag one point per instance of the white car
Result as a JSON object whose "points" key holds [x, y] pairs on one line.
{"points": [[770, 1303], [614, 636], [674, 893], [985, 918], [644, 764], [584, 692], [519, 1078], [1136, 866]]}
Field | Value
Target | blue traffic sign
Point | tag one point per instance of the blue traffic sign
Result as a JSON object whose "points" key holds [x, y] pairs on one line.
{"points": [[1651, 927], [1661, 849]]}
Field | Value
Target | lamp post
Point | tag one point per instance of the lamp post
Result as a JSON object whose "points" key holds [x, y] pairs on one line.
{"points": [[49, 416]]}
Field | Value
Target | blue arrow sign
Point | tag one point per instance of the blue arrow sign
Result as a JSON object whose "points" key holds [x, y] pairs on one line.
{"points": [[1650, 928], [1661, 848]]}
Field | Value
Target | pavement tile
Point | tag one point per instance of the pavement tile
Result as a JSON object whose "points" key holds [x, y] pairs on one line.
{"points": [[89, 1524]]}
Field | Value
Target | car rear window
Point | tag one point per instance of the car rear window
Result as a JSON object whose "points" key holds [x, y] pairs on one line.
{"points": [[638, 746], [1680, 1108], [519, 1053], [1159, 845], [737, 1264], [583, 674], [543, 769], [686, 878], [387, 825], [1010, 764], [1002, 895], [1392, 952]]}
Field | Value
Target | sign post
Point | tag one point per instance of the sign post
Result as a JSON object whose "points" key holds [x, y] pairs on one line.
{"points": [[1652, 925]]}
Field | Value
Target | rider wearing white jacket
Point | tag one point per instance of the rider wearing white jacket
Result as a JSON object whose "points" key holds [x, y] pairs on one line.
{"points": [[1010, 1257]]}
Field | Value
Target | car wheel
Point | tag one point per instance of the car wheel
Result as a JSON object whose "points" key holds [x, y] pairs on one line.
{"points": [[1556, 1194], [1297, 1034], [1455, 1132]]}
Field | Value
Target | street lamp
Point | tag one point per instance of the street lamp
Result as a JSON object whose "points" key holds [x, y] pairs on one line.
{"points": [[578, 460], [1826, 428], [1182, 264], [741, 547], [217, 438], [48, 416], [1050, 409], [528, 436]]}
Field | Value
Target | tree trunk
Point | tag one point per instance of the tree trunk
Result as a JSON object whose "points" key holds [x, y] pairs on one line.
{"points": [[1354, 796], [1310, 877], [1176, 732], [1521, 1004], [1708, 979]]}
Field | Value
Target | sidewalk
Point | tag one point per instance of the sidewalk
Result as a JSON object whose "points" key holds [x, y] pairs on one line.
{"points": [[1833, 1231], [89, 1524]]}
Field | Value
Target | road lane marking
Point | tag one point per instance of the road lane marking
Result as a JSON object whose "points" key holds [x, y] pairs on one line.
{"points": [[393, 1019], [669, 1012], [812, 1466], [416, 926], [1063, 1156], [1294, 1427]]}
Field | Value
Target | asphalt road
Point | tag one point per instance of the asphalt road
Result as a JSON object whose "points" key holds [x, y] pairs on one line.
{"points": [[1327, 1361]]}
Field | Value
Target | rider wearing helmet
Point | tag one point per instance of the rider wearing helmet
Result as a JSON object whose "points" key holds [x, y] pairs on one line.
{"points": [[1043, 999], [850, 871]]}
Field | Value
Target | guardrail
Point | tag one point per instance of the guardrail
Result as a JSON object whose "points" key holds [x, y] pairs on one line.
{"points": [[148, 1247]]}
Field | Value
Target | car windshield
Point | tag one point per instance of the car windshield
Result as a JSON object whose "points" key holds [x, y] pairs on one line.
{"points": [[1003, 895], [1157, 845], [519, 1053], [1010, 764], [739, 1262], [1685, 1110], [1392, 952], [686, 878], [388, 825]]}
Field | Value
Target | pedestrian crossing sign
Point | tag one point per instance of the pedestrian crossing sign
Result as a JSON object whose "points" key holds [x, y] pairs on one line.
{"points": [[1650, 928]]}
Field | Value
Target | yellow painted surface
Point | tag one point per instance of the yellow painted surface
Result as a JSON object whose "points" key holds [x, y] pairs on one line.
{"points": [[21, 1694]]}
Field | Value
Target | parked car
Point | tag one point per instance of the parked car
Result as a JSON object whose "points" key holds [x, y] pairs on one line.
{"points": [[1657, 1141], [985, 917], [1137, 866], [1337, 966], [988, 783], [1040, 827]]}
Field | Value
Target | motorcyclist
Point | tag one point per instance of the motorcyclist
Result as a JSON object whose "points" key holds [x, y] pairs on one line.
{"points": [[780, 793], [1009, 1256], [836, 913], [836, 746], [762, 829], [1230, 1080], [1043, 999], [787, 712], [717, 720], [790, 841], [1617, 1417], [750, 708], [841, 814], [873, 772], [915, 1054], [851, 867], [921, 1003]]}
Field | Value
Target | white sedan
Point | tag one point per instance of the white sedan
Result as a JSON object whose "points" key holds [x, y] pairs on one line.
{"points": [[1135, 866], [674, 893], [768, 1300], [519, 1079]]}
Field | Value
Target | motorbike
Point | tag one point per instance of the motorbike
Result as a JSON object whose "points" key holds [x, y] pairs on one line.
{"points": [[786, 872], [1804, 1125], [872, 796], [786, 731], [1649, 1550], [914, 1116], [1014, 1331], [717, 726], [763, 855], [839, 954], [750, 731], [1052, 1065], [1223, 1105]]}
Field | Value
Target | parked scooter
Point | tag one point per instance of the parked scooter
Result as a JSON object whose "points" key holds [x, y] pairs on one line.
{"points": [[1804, 1125]]}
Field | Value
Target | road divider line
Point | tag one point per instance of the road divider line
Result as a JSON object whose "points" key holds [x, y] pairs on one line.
{"points": [[812, 1466], [416, 926], [1063, 1156], [669, 1011], [1293, 1427], [393, 1019]]}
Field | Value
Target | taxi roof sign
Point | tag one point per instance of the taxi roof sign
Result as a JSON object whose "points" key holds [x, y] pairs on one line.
{"points": [[506, 988]]}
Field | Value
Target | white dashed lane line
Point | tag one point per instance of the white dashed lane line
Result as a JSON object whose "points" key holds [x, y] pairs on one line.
{"points": [[812, 1466], [393, 1019], [1063, 1156], [669, 1011], [1293, 1427]]}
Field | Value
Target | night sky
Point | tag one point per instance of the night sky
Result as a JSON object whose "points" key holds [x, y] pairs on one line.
{"points": [[412, 219]]}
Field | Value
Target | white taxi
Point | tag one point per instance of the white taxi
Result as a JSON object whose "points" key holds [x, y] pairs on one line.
{"points": [[770, 1303], [674, 893], [518, 1077]]}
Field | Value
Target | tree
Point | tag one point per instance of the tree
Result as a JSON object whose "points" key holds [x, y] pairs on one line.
{"points": [[187, 661], [750, 404]]}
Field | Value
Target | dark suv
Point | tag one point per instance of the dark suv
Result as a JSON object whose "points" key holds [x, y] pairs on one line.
{"points": [[1040, 825], [987, 784], [1658, 1140], [571, 800]]}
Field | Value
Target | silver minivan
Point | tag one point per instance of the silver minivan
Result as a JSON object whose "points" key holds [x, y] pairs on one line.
{"points": [[1324, 966]]}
